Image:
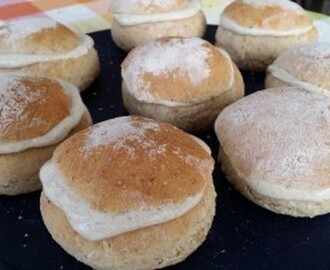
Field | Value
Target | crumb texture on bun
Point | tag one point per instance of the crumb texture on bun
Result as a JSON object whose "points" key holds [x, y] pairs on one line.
{"points": [[127, 179], [284, 151], [306, 66]]}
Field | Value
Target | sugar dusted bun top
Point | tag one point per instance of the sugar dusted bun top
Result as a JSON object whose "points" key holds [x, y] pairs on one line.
{"points": [[306, 65], [36, 35], [132, 163], [275, 15], [177, 71], [280, 137], [30, 106], [147, 6]]}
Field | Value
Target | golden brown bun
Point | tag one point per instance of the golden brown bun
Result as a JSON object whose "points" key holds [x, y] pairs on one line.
{"points": [[152, 247], [307, 66], [275, 151], [126, 174], [257, 51], [196, 104], [44, 37], [31, 107], [126, 165], [129, 37]]}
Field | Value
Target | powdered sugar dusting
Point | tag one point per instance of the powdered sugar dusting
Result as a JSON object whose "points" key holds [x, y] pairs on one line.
{"points": [[120, 130], [317, 50], [14, 99], [285, 136], [22, 28], [285, 4], [176, 57]]}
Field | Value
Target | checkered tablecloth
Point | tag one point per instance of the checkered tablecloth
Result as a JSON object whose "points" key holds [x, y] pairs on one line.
{"points": [[92, 15]]}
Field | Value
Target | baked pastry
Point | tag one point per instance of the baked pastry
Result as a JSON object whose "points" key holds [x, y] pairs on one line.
{"points": [[136, 22], [274, 148], [182, 81], [255, 32], [44, 47], [129, 193], [306, 66], [36, 113]]}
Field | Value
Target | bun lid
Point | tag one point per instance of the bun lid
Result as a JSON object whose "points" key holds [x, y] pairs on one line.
{"points": [[30, 106], [177, 70], [147, 6], [279, 136], [308, 63], [278, 15], [128, 163], [36, 35]]}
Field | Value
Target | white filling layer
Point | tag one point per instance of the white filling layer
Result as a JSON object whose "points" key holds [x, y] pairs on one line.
{"points": [[285, 193], [16, 60], [289, 79], [230, 25], [59, 132], [133, 19], [95, 225]]}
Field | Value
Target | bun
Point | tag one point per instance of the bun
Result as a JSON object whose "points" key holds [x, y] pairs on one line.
{"points": [[36, 114], [49, 49], [306, 66], [182, 81], [137, 193], [137, 22], [255, 32], [274, 148]]}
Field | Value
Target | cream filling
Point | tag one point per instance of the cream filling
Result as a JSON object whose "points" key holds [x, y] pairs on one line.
{"points": [[289, 79], [230, 25], [282, 192], [94, 225], [133, 19], [16, 60], [59, 132], [148, 97]]}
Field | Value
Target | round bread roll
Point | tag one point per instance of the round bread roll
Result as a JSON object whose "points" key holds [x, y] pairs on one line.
{"points": [[275, 149], [41, 46], [36, 113], [129, 193], [182, 81], [306, 66], [255, 32], [136, 22]]}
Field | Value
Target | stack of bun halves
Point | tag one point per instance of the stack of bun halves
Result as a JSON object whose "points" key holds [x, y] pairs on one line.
{"points": [[137, 192]]}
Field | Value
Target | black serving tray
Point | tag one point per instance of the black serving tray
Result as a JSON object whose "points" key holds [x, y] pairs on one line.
{"points": [[243, 235]]}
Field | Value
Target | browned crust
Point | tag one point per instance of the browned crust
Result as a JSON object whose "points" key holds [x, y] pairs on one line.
{"points": [[296, 208], [80, 71], [19, 172], [274, 17], [193, 118], [128, 37], [51, 107], [175, 85], [148, 248], [59, 39], [152, 179]]}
